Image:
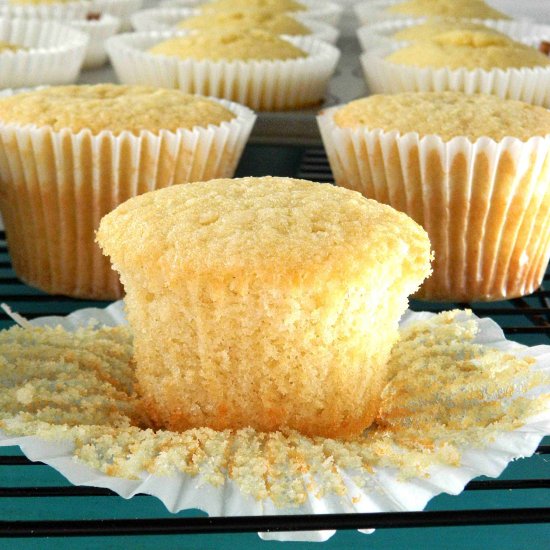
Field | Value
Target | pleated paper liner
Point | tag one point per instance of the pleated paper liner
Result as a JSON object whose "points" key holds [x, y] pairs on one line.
{"points": [[98, 30], [485, 205], [122, 9], [53, 53], [328, 476], [57, 185], [380, 35], [261, 85], [529, 84], [165, 19], [58, 11], [321, 10]]}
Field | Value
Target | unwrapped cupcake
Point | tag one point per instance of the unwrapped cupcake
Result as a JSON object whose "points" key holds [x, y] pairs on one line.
{"points": [[254, 67], [473, 170], [69, 155], [472, 61], [264, 302]]}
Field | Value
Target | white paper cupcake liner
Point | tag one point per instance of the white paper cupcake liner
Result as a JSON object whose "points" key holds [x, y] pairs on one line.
{"points": [[58, 185], [122, 9], [57, 11], [166, 19], [98, 31], [383, 491], [261, 85], [54, 56], [380, 35], [489, 230], [529, 84], [374, 11], [321, 10]]}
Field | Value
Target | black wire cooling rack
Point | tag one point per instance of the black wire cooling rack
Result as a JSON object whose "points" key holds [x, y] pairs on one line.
{"points": [[526, 319]]}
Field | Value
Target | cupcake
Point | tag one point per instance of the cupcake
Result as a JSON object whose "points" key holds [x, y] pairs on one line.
{"points": [[273, 5], [471, 169], [59, 10], [461, 60], [295, 24], [73, 153], [33, 52], [121, 9], [380, 10], [251, 300], [253, 67]]}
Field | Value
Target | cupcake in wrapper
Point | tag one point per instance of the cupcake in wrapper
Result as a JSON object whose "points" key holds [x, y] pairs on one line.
{"points": [[122, 9], [269, 303], [464, 61], [98, 31], [46, 52], [58, 181], [374, 11], [58, 10], [268, 84], [165, 19], [481, 190]]}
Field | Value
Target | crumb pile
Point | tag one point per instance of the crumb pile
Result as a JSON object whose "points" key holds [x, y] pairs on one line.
{"points": [[446, 394]]}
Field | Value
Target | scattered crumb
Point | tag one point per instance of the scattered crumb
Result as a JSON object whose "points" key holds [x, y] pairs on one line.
{"points": [[446, 394]]}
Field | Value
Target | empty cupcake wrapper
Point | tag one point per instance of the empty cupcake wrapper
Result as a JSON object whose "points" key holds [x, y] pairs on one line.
{"points": [[56, 11], [380, 35], [165, 19], [98, 31], [123, 9], [261, 85], [484, 204], [58, 185], [54, 56], [531, 85]]}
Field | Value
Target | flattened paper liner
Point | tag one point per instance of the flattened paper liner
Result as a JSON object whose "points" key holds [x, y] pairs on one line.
{"points": [[54, 56], [383, 492], [261, 85], [490, 230], [59, 184], [529, 84], [165, 19], [380, 35]]}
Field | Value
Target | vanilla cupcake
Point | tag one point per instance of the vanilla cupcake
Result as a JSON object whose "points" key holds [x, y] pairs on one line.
{"points": [[380, 10], [473, 170], [58, 10], [254, 67], [274, 6], [34, 52], [263, 302], [461, 60], [71, 154]]}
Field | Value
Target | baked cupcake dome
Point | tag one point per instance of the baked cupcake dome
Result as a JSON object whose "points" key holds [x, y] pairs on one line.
{"points": [[473, 170], [263, 302], [71, 154]]}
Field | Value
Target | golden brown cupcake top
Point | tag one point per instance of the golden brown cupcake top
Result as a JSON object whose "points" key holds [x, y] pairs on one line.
{"points": [[434, 27], [447, 8], [253, 44], [470, 50], [446, 114], [272, 5], [111, 107], [276, 23], [266, 226]]}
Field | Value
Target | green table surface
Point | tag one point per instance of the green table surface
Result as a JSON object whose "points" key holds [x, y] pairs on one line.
{"points": [[262, 160]]}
